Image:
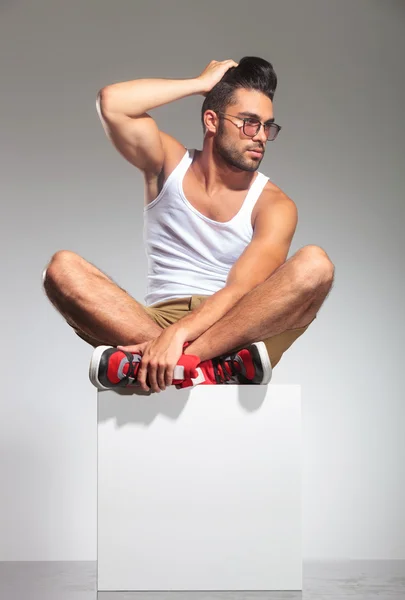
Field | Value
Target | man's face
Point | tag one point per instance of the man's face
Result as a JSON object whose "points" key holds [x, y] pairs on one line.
{"points": [[231, 143]]}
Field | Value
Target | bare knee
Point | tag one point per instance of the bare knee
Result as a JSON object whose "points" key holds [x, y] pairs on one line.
{"points": [[62, 265], [316, 267]]}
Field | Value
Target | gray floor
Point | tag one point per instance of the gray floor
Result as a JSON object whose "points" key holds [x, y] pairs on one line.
{"points": [[356, 580]]}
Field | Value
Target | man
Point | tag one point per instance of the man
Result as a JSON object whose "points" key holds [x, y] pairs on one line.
{"points": [[223, 303]]}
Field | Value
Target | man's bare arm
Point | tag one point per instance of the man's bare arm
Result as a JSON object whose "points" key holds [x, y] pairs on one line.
{"points": [[275, 226], [122, 108]]}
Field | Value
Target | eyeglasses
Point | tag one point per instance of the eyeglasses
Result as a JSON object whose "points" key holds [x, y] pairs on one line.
{"points": [[251, 126]]}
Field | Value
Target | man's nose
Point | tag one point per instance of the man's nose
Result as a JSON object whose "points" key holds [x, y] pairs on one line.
{"points": [[261, 135]]}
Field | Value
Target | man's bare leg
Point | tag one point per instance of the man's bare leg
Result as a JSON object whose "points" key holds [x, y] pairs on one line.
{"points": [[94, 305], [290, 298]]}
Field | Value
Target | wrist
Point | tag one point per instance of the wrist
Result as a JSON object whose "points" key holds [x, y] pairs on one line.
{"points": [[200, 87], [180, 332]]}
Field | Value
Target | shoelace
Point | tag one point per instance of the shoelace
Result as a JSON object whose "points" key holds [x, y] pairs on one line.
{"points": [[221, 369]]}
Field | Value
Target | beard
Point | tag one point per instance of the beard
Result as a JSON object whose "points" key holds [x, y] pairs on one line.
{"points": [[233, 156]]}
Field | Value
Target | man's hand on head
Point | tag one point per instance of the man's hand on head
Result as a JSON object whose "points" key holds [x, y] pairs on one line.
{"points": [[159, 357], [213, 73]]}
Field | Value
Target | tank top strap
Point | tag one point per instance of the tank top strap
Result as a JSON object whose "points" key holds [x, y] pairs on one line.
{"points": [[253, 194], [177, 175], [184, 164]]}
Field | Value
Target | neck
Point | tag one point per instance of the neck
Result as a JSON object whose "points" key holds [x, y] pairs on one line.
{"points": [[215, 174]]}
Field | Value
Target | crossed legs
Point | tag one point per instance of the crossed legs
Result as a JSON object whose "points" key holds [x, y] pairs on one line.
{"points": [[103, 313]]}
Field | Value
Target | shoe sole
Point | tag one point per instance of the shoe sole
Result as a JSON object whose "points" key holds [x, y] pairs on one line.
{"points": [[266, 364], [94, 367]]}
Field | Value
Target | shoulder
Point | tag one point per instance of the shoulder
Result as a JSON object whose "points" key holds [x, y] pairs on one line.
{"points": [[274, 200], [173, 153]]}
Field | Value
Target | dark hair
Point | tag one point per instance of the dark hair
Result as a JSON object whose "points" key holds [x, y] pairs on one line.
{"points": [[252, 72]]}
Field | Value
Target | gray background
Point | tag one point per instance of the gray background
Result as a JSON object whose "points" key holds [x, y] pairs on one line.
{"points": [[340, 155]]}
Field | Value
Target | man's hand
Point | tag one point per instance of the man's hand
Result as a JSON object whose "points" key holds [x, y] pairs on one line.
{"points": [[159, 357], [213, 74]]}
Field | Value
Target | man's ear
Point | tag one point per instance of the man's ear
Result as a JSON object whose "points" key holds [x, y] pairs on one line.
{"points": [[211, 121]]}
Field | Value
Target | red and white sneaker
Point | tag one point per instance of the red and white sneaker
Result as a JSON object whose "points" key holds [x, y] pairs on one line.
{"points": [[111, 368], [250, 365]]}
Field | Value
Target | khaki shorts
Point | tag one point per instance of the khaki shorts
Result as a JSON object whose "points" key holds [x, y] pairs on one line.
{"points": [[169, 312]]}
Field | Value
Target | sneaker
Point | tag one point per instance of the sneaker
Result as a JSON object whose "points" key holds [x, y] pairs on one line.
{"points": [[111, 368], [250, 365]]}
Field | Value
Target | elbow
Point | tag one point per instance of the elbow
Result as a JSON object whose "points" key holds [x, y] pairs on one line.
{"points": [[103, 92], [101, 100], [104, 101]]}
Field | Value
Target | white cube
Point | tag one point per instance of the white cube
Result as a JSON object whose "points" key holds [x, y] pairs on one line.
{"points": [[200, 489]]}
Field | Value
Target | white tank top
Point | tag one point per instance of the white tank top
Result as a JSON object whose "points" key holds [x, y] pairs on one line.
{"points": [[188, 253]]}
